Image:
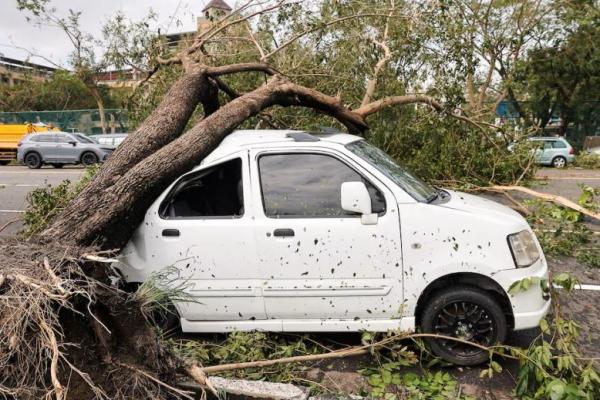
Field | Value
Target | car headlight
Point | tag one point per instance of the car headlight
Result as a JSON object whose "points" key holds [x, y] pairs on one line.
{"points": [[523, 248]]}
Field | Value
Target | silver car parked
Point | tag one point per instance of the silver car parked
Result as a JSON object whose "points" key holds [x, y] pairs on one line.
{"points": [[553, 150], [60, 148]]}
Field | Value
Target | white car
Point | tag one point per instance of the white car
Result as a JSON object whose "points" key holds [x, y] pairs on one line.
{"points": [[291, 231]]}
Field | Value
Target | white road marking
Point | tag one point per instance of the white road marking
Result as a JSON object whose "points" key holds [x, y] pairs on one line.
{"points": [[583, 286], [588, 287], [17, 185], [12, 211], [75, 172], [571, 178]]}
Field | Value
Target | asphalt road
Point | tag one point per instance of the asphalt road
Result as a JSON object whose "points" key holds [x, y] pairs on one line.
{"points": [[565, 182], [17, 181]]}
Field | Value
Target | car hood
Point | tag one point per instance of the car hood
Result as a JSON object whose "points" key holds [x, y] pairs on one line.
{"points": [[482, 207]]}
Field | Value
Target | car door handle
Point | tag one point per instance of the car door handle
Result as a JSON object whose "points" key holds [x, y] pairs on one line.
{"points": [[283, 232], [170, 232]]}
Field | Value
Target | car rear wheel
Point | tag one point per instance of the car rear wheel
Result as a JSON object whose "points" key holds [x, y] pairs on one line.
{"points": [[559, 162], [33, 160], [4, 162], [467, 313], [89, 158], [58, 165]]}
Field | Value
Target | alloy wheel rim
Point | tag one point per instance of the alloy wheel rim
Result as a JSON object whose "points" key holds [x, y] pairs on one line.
{"points": [[88, 159], [559, 163], [32, 161], [467, 321]]}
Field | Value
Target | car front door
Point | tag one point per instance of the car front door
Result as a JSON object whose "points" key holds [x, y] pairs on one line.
{"points": [[65, 150], [202, 236], [319, 261]]}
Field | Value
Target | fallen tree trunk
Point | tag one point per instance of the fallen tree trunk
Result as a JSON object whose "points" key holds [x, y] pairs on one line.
{"points": [[544, 196], [163, 125], [110, 216]]}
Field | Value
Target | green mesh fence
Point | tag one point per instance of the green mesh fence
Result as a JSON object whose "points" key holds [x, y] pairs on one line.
{"points": [[84, 121]]}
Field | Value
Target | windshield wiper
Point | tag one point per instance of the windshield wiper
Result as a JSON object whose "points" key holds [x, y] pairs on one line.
{"points": [[439, 193], [433, 197]]}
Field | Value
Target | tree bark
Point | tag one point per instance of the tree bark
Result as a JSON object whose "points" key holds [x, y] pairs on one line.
{"points": [[98, 97]]}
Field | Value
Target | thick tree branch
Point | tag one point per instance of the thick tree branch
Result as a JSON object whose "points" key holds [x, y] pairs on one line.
{"points": [[242, 67], [376, 106]]}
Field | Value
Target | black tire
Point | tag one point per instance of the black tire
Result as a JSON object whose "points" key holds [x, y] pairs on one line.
{"points": [[559, 162], [58, 165], [478, 318], [4, 162], [88, 158], [33, 160]]}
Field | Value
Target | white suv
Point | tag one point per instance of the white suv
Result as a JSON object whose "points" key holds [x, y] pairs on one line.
{"points": [[292, 231]]}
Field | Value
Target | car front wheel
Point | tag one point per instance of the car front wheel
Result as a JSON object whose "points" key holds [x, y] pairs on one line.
{"points": [[559, 162], [466, 313], [89, 158], [33, 160]]}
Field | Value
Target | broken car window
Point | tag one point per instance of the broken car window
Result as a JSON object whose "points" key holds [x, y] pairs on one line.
{"points": [[214, 192], [308, 185]]}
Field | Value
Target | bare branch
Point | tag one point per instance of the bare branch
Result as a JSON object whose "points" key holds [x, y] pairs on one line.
{"points": [[253, 38], [202, 38], [319, 27], [242, 67], [387, 55]]}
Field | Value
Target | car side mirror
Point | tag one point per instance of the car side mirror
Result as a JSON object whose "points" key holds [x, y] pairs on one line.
{"points": [[355, 198], [72, 142]]}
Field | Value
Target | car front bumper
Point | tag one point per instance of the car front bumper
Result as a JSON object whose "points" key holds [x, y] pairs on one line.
{"points": [[531, 305]]}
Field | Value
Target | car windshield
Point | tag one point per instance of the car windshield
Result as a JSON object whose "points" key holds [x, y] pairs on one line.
{"points": [[83, 139], [418, 189]]}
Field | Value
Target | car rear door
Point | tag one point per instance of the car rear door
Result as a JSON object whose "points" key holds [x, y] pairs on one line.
{"points": [[202, 234], [45, 145], [320, 262]]}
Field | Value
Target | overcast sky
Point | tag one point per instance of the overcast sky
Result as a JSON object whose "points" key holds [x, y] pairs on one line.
{"points": [[15, 31]]}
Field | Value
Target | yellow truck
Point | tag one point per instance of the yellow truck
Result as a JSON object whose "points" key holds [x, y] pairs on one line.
{"points": [[11, 135]]}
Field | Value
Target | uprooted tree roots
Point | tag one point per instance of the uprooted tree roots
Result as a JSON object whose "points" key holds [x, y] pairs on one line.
{"points": [[62, 331]]}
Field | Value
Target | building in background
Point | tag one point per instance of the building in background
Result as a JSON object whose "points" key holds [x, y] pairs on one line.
{"points": [[213, 11], [13, 71], [127, 78]]}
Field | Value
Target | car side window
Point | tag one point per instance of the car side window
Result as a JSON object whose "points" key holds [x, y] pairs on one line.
{"points": [[559, 145], [308, 185], [213, 192], [63, 139], [44, 139], [547, 145]]}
